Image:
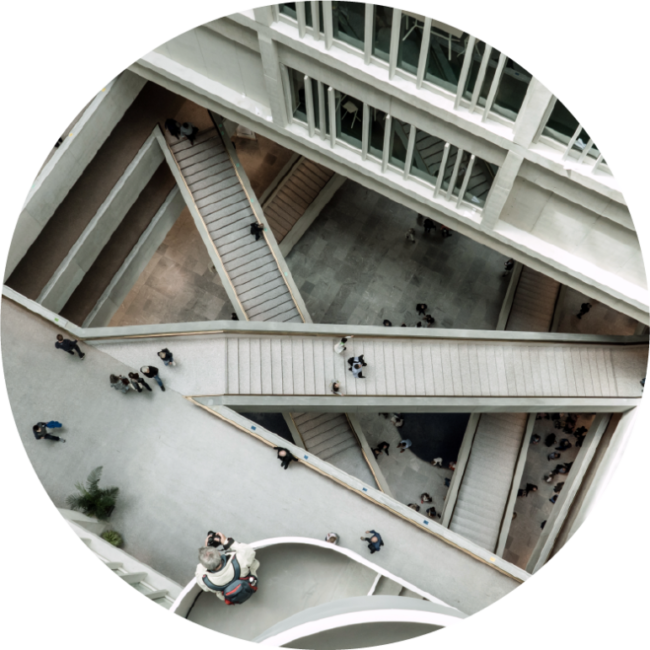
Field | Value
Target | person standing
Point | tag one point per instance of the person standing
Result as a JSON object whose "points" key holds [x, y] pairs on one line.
{"points": [[173, 127], [136, 379], [387, 323], [429, 319], [356, 371], [431, 513], [332, 538], [509, 265], [152, 373], [340, 346], [167, 357], [421, 309], [404, 445], [359, 359], [429, 225], [40, 432], [375, 542], [68, 346], [410, 235], [257, 229], [584, 309], [285, 456], [336, 388], [397, 420], [383, 446], [189, 131]]}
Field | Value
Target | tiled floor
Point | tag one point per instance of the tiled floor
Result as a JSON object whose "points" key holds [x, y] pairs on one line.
{"points": [[532, 510], [178, 285], [354, 265]]}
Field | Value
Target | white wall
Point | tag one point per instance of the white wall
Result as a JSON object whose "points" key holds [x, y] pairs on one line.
{"points": [[69, 161]]}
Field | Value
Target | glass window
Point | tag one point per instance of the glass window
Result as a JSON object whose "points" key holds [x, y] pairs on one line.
{"points": [[445, 58], [308, 21], [561, 126], [410, 40], [288, 9], [480, 181], [449, 168], [427, 156], [350, 119], [477, 58], [348, 22], [298, 105], [512, 90], [381, 28], [398, 138]]}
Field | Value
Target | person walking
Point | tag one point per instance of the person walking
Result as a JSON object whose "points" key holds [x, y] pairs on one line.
{"points": [[432, 513], [584, 309], [152, 373], [359, 359], [404, 445], [40, 431], [383, 446], [120, 383], [167, 357], [135, 377], [257, 229], [421, 309], [387, 323], [332, 538], [68, 346], [437, 462], [285, 456], [189, 131], [375, 542], [336, 388], [425, 497], [397, 420], [509, 265], [429, 319], [356, 371], [173, 127], [134, 383], [340, 346], [410, 235], [429, 225]]}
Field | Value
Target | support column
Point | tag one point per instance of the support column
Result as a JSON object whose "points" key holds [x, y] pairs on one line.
{"points": [[273, 79], [500, 190], [533, 113], [264, 15]]}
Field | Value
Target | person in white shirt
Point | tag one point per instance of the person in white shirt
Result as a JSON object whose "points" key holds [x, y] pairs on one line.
{"points": [[340, 346], [404, 445]]}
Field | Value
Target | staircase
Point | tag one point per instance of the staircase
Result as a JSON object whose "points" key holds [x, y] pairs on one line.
{"points": [[142, 578], [488, 476], [534, 302], [325, 434], [227, 213], [297, 191]]}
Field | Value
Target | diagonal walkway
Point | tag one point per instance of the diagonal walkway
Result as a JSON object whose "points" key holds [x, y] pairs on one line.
{"points": [[164, 454], [291, 365]]}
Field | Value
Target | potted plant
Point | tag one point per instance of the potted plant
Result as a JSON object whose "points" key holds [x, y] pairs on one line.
{"points": [[112, 537], [93, 500]]}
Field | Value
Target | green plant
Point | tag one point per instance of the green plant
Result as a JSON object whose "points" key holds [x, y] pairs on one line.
{"points": [[93, 500], [112, 537]]}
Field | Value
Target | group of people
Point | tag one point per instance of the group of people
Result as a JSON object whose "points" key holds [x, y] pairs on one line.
{"points": [[178, 130], [431, 512], [421, 309], [137, 383]]}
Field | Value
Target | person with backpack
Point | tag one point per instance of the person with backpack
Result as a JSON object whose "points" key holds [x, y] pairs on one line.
{"points": [[227, 569]]}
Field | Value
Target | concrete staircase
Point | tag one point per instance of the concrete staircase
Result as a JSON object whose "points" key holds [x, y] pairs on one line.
{"points": [[297, 191], [534, 302], [325, 434], [486, 484], [227, 213], [142, 578]]}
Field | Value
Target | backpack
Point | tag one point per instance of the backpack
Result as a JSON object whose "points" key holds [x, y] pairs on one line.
{"points": [[238, 590]]}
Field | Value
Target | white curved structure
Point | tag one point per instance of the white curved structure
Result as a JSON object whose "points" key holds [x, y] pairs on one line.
{"points": [[331, 587]]}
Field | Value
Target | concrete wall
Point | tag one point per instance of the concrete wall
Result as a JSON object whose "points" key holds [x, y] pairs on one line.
{"points": [[108, 217], [69, 161], [136, 261]]}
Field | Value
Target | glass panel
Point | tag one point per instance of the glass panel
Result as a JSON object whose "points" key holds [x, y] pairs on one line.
{"points": [[427, 156], [377, 127], [308, 20], [314, 95], [288, 9], [480, 181], [348, 22], [479, 51], [445, 59], [399, 143], [381, 29], [451, 161], [321, 24], [350, 119], [327, 109], [512, 90], [410, 40], [561, 126], [298, 106]]}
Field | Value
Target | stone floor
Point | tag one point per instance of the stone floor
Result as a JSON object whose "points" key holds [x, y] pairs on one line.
{"points": [[179, 285], [532, 510], [354, 265], [407, 475]]}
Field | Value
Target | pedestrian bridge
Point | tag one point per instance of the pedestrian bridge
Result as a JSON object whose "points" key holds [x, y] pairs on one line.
{"points": [[269, 367]]}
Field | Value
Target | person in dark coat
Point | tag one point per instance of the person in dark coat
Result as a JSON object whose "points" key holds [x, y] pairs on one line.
{"points": [[40, 432], [429, 319], [189, 131], [152, 373], [429, 225], [387, 323], [421, 309], [68, 346], [584, 309], [173, 127], [257, 229], [285, 456], [139, 381], [550, 440], [375, 542], [509, 265], [167, 357]]}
